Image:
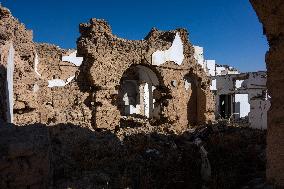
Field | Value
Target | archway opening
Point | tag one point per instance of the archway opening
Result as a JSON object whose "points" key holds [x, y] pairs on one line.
{"points": [[138, 94]]}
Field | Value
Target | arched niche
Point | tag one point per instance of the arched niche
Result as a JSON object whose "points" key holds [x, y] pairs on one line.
{"points": [[191, 85], [197, 102]]}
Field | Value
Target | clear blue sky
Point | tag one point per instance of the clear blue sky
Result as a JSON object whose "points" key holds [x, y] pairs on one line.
{"points": [[228, 30]]}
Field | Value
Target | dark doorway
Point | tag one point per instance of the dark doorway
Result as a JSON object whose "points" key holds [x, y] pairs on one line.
{"points": [[225, 106]]}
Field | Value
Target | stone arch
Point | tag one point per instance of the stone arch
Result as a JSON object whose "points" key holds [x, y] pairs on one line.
{"points": [[138, 92]]}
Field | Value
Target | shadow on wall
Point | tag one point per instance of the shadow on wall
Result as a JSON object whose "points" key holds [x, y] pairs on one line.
{"points": [[3, 78], [196, 106]]}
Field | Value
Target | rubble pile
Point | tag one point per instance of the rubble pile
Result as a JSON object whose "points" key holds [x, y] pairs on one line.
{"points": [[141, 160], [25, 157], [236, 156], [69, 156]]}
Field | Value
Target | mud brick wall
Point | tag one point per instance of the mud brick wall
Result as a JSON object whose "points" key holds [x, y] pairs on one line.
{"points": [[271, 15], [12, 32], [34, 101], [107, 58], [91, 98], [3, 84], [60, 104]]}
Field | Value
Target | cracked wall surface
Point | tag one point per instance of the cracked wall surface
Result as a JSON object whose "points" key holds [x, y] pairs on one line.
{"points": [[271, 14]]}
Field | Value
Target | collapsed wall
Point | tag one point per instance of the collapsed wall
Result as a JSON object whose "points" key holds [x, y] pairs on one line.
{"points": [[17, 55], [41, 88], [177, 85], [115, 82], [271, 14], [241, 96], [60, 98]]}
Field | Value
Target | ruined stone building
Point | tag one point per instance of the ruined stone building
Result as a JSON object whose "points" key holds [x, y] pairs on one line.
{"points": [[239, 96], [242, 96], [107, 83], [110, 82]]}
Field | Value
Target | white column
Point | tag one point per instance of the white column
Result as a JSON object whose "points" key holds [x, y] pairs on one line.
{"points": [[151, 101], [146, 100], [9, 89]]}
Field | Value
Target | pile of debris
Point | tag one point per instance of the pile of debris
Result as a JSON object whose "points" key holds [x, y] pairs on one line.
{"points": [[216, 155], [213, 156]]}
